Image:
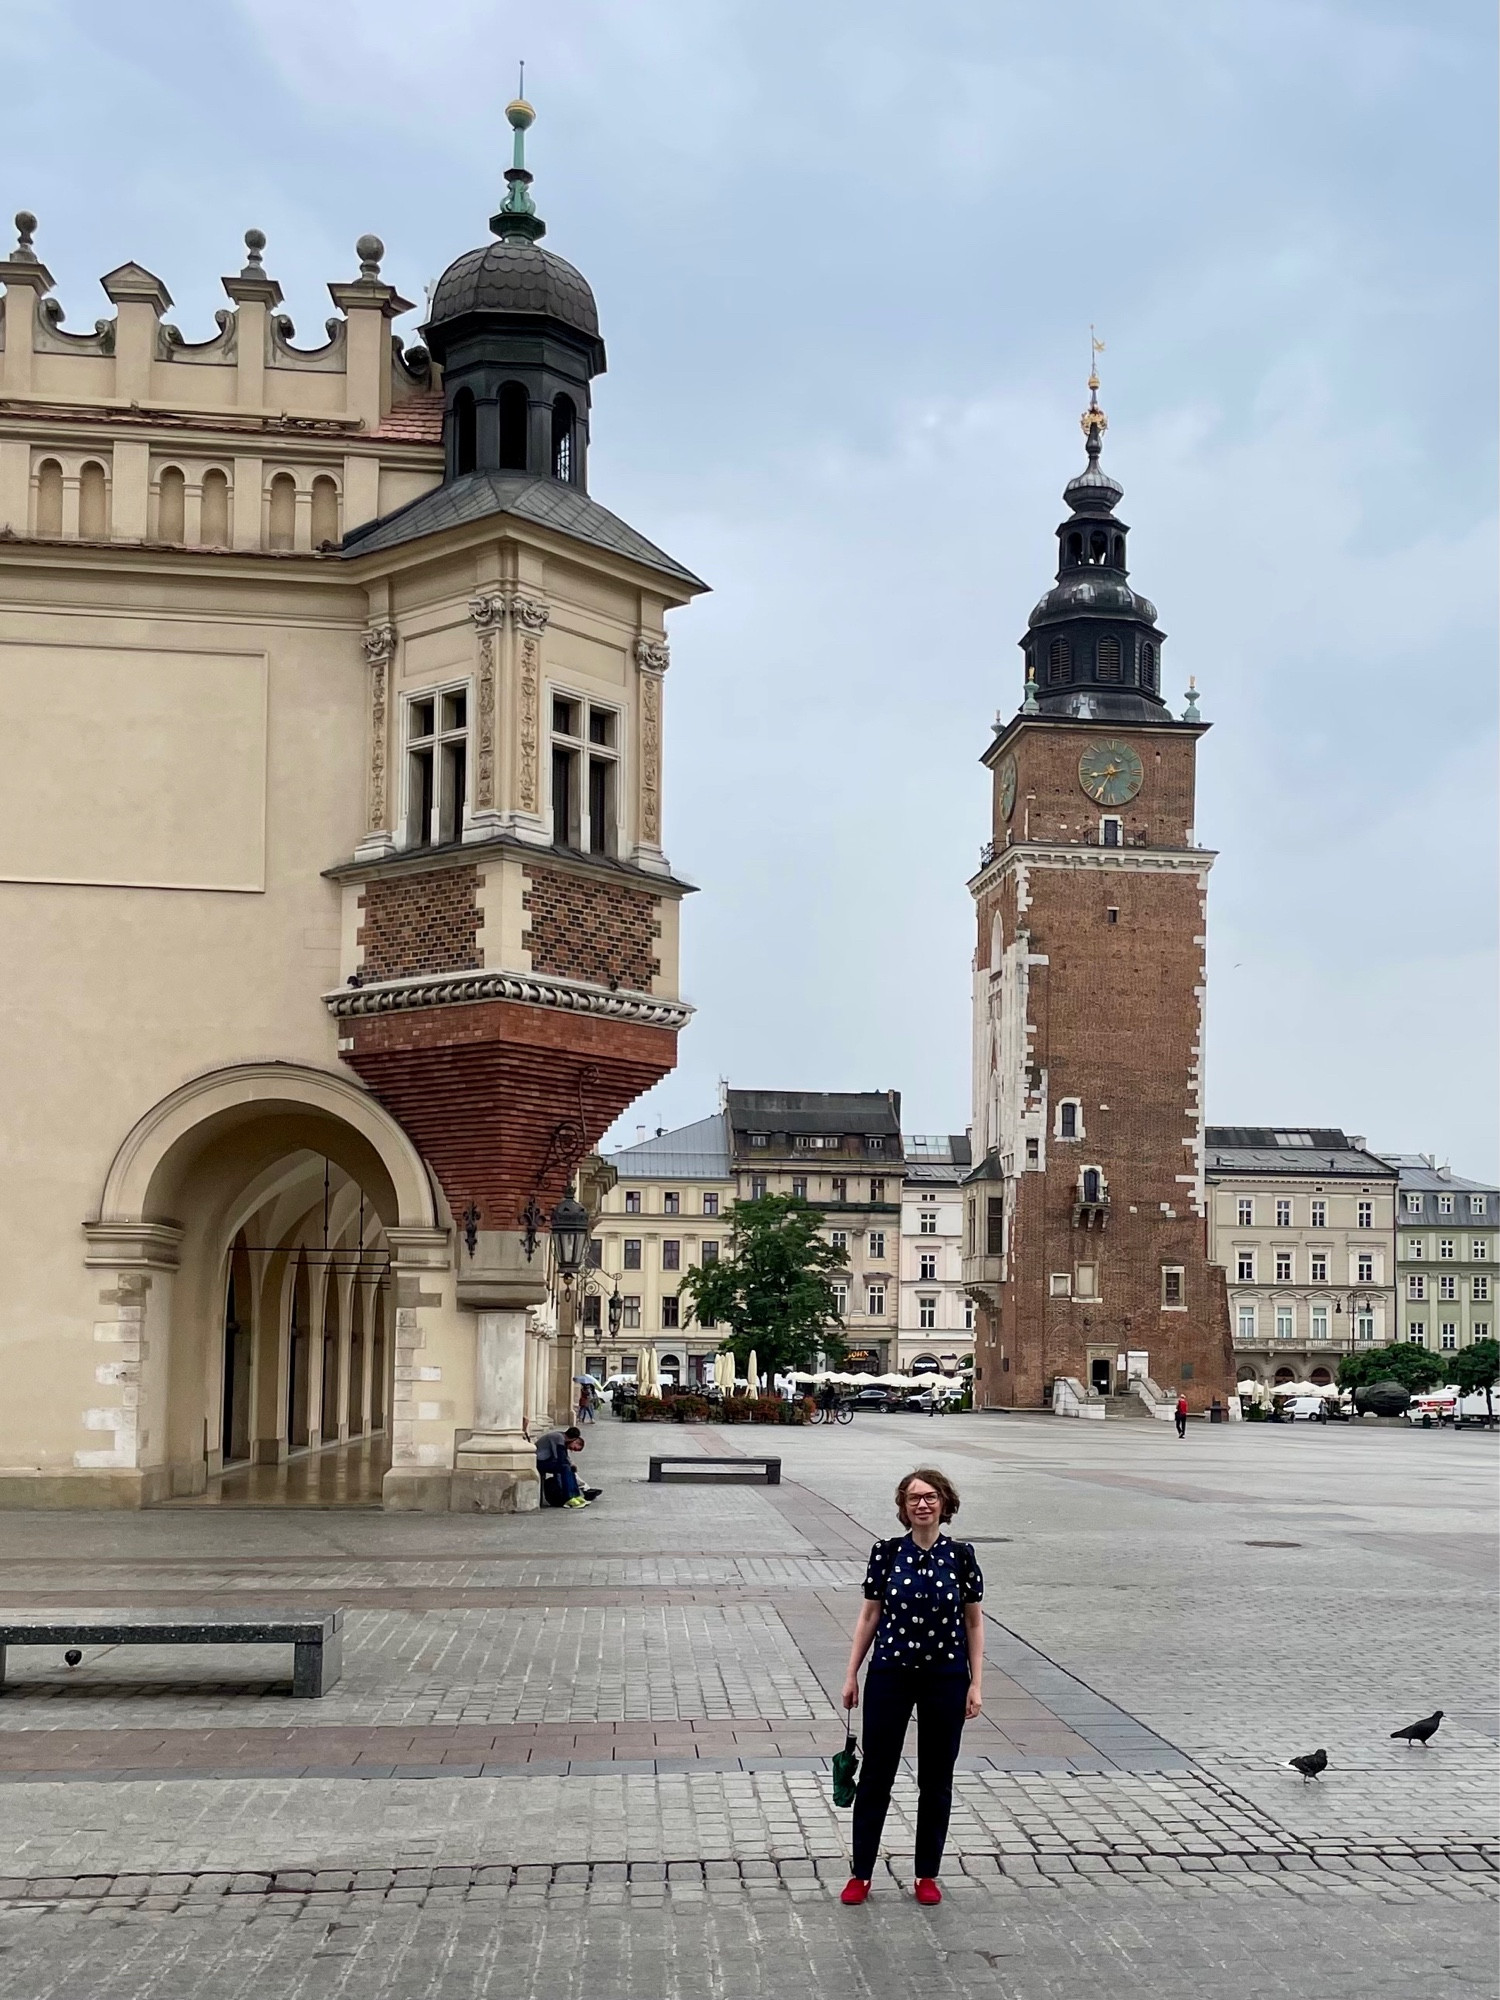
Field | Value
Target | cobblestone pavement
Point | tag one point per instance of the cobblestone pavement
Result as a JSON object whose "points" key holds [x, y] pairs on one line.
{"points": [[593, 1747]]}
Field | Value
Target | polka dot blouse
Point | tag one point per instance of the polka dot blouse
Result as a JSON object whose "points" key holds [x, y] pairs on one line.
{"points": [[922, 1594]]}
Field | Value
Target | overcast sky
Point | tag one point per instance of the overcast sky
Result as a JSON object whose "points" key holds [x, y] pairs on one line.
{"points": [[847, 253]]}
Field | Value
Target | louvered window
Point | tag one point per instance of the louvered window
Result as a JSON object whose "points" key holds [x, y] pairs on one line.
{"points": [[1059, 662], [1109, 659], [1148, 667]]}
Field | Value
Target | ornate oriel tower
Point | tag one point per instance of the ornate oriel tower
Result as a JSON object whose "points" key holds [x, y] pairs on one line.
{"points": [[331, 873], [1086, 1248]]}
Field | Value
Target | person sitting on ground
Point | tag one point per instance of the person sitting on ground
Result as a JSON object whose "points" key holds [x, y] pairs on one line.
{"points": [[560, 1486]]}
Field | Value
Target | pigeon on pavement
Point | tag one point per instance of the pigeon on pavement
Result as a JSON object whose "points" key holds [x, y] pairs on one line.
{"points": [[1311, 1767], [1418, 1732], [72, 1657]]}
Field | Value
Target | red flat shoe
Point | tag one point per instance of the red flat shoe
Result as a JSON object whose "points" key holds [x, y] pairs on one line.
{"points": [[928, 1890], [854, 1891]]}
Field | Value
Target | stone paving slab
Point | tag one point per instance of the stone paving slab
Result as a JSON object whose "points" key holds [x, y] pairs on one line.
{"points": [[577, 1663], [250, 1822], [668, 1937]]}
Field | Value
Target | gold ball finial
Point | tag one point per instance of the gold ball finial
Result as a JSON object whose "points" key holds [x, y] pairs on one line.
{"points": [[522, 117]]}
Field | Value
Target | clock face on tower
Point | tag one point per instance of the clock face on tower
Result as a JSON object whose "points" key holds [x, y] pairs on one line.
{"points": [[1110, 772], [1008, 786]]}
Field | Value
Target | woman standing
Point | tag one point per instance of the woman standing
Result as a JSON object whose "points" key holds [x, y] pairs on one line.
{"points": [[921, 1610]]}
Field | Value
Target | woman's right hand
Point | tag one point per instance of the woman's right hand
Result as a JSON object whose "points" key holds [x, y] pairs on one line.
{"points": [[850, 1695]]}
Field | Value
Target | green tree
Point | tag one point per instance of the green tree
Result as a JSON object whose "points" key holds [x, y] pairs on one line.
{"points": [[1478, 1367], [1404, 1362], [774, 1290]]}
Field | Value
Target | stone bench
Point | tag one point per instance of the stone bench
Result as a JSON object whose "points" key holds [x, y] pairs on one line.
{"points": [[720, 1471], [316, 1638]]}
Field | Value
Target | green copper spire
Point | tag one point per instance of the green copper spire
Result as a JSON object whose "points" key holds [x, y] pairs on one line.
{"points": [[1190, 713], [517, 214]]}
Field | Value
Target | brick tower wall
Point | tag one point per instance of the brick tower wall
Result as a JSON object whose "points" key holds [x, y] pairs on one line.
{"points": [[1113, 1019]]}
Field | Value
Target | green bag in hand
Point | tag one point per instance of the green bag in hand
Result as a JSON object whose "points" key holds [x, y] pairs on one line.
{"points": [[845, 1771]]}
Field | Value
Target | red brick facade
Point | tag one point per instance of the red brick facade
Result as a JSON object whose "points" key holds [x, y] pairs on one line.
{"points": [[1104, 952], [587, 929], [421, 921], [480, 1087]]}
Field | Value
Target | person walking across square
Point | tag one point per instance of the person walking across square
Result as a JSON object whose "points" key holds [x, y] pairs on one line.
{"points": [[1182, 1416], [922, 1616]]}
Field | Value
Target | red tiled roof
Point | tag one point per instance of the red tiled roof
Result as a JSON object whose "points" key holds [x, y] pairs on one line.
{"points": [[416, 419]]}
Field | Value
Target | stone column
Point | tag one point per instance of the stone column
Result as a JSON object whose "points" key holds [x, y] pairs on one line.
{"points": [[483, 816], [379, 642], [529, 616], [494, 1469], [651, 659]]}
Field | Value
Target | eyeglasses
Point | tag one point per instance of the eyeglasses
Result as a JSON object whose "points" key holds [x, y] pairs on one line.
{"points": [[923, 1500]]}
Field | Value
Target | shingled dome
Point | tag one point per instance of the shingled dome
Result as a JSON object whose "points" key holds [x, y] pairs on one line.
{"points": [[514, 276]]}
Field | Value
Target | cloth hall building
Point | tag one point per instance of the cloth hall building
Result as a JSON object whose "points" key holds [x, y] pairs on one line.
{"points": [[336, 913]]}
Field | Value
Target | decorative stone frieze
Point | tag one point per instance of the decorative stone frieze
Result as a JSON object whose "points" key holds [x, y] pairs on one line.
{"points": [[398, 996]]}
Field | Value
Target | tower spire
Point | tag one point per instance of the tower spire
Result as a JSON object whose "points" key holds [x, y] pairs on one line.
{"points": [[517, 214], [1093, 420]]}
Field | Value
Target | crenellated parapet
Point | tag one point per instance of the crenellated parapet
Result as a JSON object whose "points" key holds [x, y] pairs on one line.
{"points": [[246, 441]]}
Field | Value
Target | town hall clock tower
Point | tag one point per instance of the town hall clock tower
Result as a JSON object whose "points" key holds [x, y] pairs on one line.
{"points": [[1086, 1249]]}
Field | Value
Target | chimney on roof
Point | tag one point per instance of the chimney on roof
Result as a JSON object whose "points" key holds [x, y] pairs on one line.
{"points": [[1446, 1170], [1357, 1142], [640, 1134]]}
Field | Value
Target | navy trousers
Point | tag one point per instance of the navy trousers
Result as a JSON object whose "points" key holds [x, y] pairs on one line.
{"points": [[891, 1693]]}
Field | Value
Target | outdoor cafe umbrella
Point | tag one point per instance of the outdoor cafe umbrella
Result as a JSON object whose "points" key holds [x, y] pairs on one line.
{"points": [[645, 1374], [752, 1378]]}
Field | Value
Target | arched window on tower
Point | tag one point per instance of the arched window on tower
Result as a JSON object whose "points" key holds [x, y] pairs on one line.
{"points": [[171, 505], [1059, 663], [1098, 547], [1093, 1184], [93, 502], [325, 511], [1109, 660], [1119, 555], [213, 531], [1148, 667], [49, 497], [465, 447], [564, 418], [515, 415], [1075, 550]]}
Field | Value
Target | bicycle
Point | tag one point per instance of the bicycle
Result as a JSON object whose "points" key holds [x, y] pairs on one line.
{"points": [[838, 1413]]}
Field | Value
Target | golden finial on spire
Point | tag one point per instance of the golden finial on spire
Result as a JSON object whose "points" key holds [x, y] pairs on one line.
{"points": [[1093, 420]]}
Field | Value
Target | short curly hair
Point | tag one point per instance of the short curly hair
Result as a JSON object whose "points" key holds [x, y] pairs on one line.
{"points": [[941, 1485]]}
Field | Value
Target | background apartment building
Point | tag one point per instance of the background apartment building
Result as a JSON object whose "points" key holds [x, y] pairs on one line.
{"points": [[841, 1151], [936, 1315], [1303, 1222], [667, 1211], [1446, 1232]]}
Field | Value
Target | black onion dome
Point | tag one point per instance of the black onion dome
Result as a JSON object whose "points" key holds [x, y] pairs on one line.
{"points": [[512, 275], [1092, 593], [1093, 491]]}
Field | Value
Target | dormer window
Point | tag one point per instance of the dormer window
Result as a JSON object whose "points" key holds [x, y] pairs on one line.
{"points": [[585, 758], [437, 766]]}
